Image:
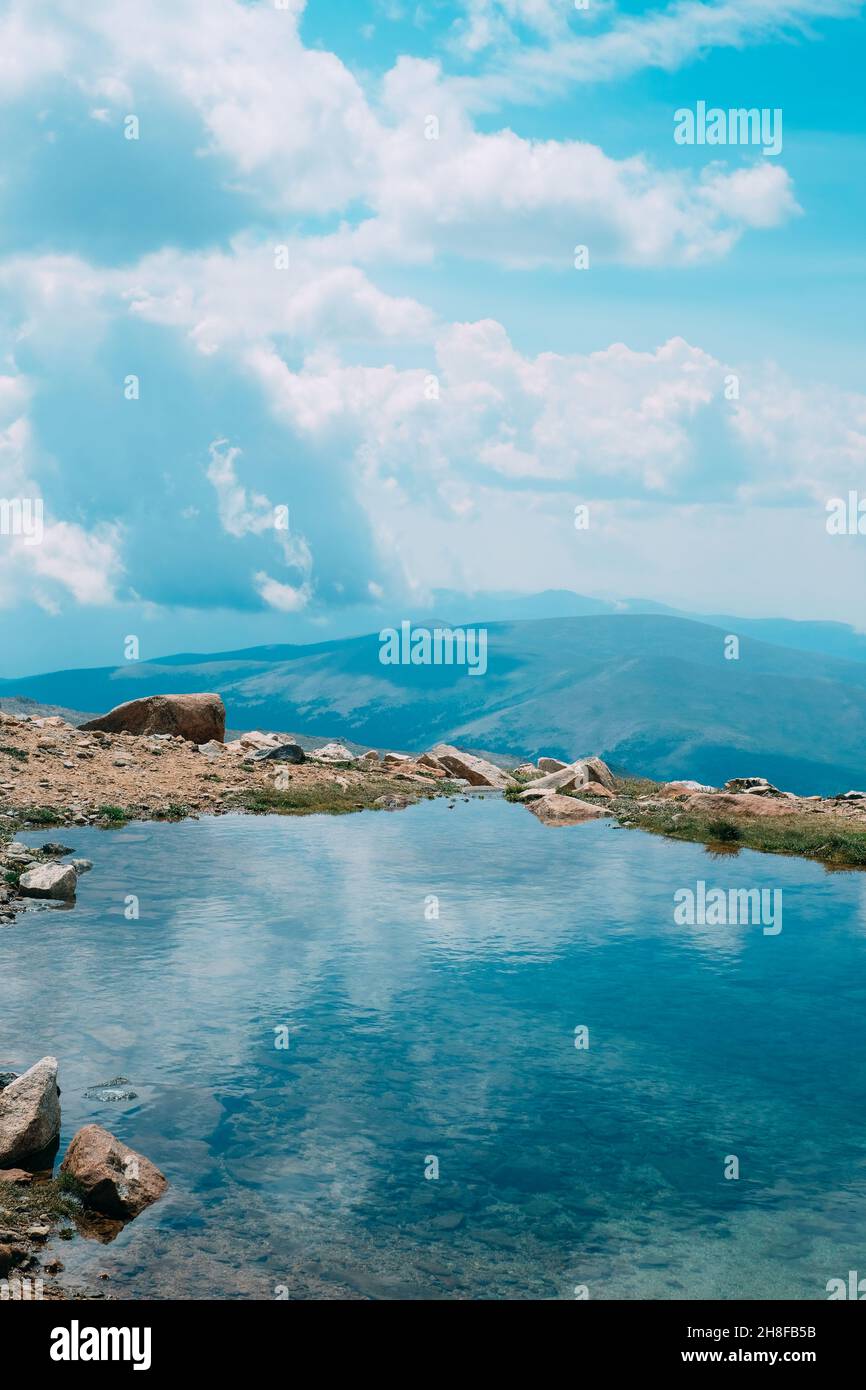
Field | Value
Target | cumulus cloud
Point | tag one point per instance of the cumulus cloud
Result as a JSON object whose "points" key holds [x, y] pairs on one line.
{"points": [[244, 513], [303, 136], [56, 558]]}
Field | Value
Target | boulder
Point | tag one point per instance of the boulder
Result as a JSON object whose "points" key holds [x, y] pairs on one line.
{"points": [[564, 810], [198, 718], [684, 788], [755, 786], [283, 753], [253, 741], [371, 757], [431, 761], [598, 771], [212, 750], [29, 1113], [113, 1179], [551, 765], [596, 789], [18, 1177], [334, 753], [478, 772], [49, 881], [526, 770], [395, 759], [576, 775]]}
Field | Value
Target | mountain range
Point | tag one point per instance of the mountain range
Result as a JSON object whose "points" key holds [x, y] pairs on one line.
{"points": [[652, 693]]}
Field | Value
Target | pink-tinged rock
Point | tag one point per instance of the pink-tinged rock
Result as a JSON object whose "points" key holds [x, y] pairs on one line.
{"points": [[564, 810], [114, 1179], [478, 772], [198, 718]]}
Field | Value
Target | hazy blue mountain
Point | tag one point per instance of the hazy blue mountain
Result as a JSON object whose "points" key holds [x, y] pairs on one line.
{"points": [[650, 693]]}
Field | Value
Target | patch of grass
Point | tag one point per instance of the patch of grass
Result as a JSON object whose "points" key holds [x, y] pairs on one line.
{"points": [[175, 810], [113, 815], [835, 843], [724, 832], [324, 798], [21, 1207], [630, 788], [20, 753], [12, 877], [40, 815]]}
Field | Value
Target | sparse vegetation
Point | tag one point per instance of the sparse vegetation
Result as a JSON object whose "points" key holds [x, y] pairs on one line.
{"points": [[112, 815], [40, 815], [836, 844], [20, 753], [317, 799]]}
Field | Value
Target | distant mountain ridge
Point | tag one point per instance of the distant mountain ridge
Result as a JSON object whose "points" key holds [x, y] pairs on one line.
{"points": [[650, 693]]}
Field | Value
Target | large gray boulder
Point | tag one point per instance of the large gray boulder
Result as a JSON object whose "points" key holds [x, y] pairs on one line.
{"points": [[49, 881], [29, 1113], [113, 1178], [198, 718]]}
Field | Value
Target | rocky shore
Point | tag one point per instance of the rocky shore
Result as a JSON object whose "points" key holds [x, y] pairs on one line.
{"points": [[165, 757], [101, 1184]]}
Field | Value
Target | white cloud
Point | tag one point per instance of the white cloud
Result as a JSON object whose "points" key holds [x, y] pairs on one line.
{"points": [[244, 513], [305, 138], [82, 564], [664, 38]]}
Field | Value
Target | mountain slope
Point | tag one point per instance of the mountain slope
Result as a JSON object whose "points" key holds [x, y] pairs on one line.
{"points": [[652, 694]]}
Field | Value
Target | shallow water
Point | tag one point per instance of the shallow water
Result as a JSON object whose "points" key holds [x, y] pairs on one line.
{"points": [[301, 1172]]}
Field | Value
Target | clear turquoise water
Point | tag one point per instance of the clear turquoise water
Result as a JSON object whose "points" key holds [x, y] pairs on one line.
{"points": [[303, 1170]]}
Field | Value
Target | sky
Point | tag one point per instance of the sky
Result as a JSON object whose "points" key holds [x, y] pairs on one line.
{"points": [[294, 330]]}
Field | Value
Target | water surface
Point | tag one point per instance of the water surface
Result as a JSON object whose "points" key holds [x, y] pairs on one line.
{"points": [[301, 1172]]}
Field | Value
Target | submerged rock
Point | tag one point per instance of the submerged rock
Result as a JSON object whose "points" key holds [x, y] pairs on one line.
{"points": [[29, 1113], [114, 1090], [113, 1178]]}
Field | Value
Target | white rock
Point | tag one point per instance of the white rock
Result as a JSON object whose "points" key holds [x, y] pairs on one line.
{"points": [[49, 881]]}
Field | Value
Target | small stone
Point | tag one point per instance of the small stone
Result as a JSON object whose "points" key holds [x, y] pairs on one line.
{"points": [[17, 1176]]}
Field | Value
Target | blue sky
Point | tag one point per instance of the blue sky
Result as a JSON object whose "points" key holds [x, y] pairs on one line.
{"points": [[429, 387]]}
